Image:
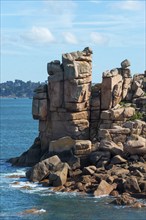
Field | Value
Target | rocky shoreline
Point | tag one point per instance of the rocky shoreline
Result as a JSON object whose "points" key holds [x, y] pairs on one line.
{"points": [[92, 139]]}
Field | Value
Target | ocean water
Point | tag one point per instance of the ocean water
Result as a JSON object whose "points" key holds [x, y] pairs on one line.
{"points": [[18, 131]]}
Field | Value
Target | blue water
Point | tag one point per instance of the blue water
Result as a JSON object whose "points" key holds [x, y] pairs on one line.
{"points": [[18, 131]]}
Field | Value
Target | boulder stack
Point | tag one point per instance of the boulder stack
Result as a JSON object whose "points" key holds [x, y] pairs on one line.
{"points": [[63, 106]]}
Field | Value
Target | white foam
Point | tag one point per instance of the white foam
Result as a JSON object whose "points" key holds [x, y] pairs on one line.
{"points": [[20, 172], [60, 194], [40, 211], [22, 184], [102, 196], [33, 188]]}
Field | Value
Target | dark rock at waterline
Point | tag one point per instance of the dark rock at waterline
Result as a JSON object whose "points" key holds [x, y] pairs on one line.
{"points": [[127, 200], [59, 177], [29, 157], [104, 188], [42, 169], [124, 199], [139, 195], [52, 169]]}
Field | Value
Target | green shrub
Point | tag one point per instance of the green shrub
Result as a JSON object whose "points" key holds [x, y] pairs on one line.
{"points": [[137, 116], [124, 103]]}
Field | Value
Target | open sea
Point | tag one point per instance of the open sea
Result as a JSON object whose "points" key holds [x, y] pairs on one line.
{"points": [[18, 131]]}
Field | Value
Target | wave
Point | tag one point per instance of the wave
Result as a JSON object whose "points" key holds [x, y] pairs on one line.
{"points": [[15, 178]]}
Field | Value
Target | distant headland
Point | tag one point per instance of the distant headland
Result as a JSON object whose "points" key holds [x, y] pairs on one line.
{"points": [[18, 89]]}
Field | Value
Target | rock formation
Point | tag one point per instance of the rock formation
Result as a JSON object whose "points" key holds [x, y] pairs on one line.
{"points": [[63, 106], [96, 133]]}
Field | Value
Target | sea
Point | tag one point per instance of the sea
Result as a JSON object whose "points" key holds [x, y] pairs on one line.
{"points": [[17, 133]]}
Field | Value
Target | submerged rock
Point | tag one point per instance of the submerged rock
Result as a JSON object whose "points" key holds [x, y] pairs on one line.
{"points": [[33, 211], [126, 200]]}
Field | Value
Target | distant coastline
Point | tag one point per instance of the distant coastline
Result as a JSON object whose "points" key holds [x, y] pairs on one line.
{"points": [[15, 97], [18, 89]]}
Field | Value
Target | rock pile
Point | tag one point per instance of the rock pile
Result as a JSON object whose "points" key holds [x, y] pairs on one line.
{"points": [[92, 139]]}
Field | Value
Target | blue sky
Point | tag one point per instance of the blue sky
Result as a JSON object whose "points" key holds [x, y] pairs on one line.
{"points": [[34, 32]]}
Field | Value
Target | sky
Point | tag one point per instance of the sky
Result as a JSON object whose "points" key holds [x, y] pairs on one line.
{"points": [[35, 32]]}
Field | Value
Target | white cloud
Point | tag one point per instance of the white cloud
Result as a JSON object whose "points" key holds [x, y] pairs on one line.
{"points": [[128, 5], [70, 38], [39, 35], [98, 38]]}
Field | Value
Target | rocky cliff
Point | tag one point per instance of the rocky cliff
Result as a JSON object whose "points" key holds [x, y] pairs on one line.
{"points": [[63, 106], [84, 129]]}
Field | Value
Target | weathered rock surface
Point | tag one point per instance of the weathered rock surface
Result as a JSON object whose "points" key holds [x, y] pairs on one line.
{"points": [[59, 177], [136, 145], [62, 144], [42, 169], [100, 158], [104, 188], [110, 146], [111, 91], [131, 185], [89, 170], [125, 64], [39, 105], [118, 160], [82, 147]]}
